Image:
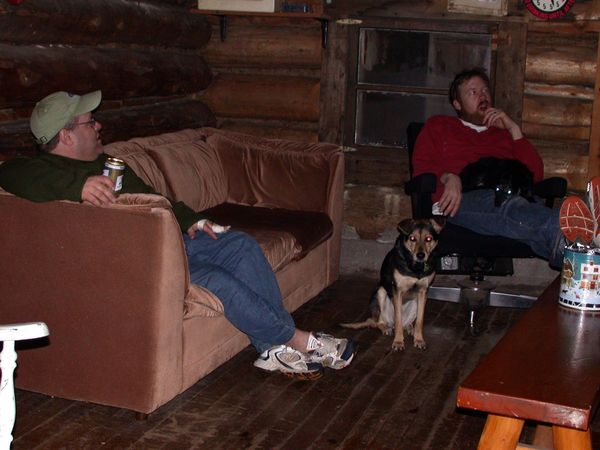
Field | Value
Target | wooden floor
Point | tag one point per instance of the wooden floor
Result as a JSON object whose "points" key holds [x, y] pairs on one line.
{"points": [[384, 400]]}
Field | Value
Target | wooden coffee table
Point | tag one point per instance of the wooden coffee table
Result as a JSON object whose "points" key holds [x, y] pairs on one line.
{"points": [[545, 369]]}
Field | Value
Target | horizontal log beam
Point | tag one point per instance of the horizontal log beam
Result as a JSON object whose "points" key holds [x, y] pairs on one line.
{"points": [[272, 132], [566, 91], [565, 159], [557, 111], [274, 129], [264, 97], [582, 10], [587, 22], [82, 22], [259, 45], [187, 4], [537, 131], [118, 125], [29, 73], [371, 209], [566, 65]]}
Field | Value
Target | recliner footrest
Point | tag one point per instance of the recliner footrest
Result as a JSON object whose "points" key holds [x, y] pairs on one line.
{"points": [[452, 294], [460, 265]]}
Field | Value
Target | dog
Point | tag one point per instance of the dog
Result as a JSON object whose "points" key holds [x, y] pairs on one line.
{"points": [[406, 269], [508, 178]]}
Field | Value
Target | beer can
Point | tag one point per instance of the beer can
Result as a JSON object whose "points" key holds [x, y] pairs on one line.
{"points": [[113, 169]]}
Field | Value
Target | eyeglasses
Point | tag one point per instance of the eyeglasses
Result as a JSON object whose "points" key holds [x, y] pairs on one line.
{"points": [[91, 123]]}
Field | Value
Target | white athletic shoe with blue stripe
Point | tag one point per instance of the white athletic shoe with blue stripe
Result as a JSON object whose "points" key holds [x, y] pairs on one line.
{"points": [[331, 351], [290, 362]]}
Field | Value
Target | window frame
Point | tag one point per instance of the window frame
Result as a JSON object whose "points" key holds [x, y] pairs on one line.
{"points": [[353, 86]]}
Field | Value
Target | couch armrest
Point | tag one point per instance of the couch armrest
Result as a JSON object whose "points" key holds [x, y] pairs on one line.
{"points": [[110, 284]]}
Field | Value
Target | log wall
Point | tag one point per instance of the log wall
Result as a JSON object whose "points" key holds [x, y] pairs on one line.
{"points": [[145, 56], [267, 75], [560, 78]]}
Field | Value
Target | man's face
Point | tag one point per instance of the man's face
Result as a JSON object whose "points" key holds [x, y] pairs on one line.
{"points": [[473, 100], [85, 136]]}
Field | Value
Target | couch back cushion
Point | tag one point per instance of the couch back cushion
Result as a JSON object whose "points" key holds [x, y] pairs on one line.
{"points": [[193, 173], [179, 165], [140, 162], [258, 170]]}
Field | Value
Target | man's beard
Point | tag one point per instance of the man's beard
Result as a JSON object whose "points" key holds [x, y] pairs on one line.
{"points": [[475, 118]]}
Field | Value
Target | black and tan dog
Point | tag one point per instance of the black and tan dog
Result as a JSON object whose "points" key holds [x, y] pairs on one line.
{"points": [[407, 269]]}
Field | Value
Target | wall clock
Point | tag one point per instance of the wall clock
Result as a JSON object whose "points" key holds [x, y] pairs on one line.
{"points": [[549, 9]]}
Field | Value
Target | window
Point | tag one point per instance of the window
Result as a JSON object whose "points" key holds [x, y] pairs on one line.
{"points": [[403, 76]]}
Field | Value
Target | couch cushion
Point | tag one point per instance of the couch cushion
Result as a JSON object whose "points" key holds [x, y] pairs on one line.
{"points": [[279, 247], [246, 156], [309, 229], [143, 200], [193, 173], [178, 165], [186, 135], [141, 163], [200, 302]]}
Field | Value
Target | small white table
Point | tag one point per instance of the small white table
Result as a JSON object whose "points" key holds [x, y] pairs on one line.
{"points": [[8, 361]]}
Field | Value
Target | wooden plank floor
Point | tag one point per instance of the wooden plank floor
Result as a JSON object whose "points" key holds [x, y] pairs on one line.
{"points": [[384, 400]]}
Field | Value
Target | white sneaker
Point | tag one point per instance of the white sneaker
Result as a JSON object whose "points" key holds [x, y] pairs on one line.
{"points": [[290, 362], [330, 351]]}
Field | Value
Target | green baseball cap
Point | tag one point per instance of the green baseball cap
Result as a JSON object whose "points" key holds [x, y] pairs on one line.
{"points": [[51, 114]]}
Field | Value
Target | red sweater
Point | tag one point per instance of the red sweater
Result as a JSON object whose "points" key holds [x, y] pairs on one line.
{"points": [[446, 145]]}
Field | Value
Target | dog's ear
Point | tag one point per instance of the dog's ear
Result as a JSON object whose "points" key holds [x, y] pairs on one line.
{"points": [[406, 226], [438, 223]]}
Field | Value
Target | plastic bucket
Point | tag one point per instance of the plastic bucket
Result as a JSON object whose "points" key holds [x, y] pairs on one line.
{"points": [[580, 279]]}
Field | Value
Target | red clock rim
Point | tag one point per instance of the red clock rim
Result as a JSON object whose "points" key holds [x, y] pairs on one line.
{"points": [[553, 15]]}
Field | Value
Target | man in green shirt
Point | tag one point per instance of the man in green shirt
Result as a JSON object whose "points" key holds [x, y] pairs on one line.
{"points": [[230, 264]]}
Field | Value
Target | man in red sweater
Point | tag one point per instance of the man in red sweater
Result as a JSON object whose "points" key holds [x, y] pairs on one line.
{"points": [[447, 144]]}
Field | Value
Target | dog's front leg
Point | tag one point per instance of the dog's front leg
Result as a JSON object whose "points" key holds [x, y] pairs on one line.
{"points": [[398, 343], [419, 341], [384, 321]]}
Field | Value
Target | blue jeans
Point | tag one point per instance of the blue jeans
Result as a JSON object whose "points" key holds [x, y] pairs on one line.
{"points": [[234, 268], [532, 223]]}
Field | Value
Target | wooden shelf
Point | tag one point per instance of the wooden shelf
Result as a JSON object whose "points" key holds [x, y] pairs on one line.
{"points": [[212, 12], [222, 15]]}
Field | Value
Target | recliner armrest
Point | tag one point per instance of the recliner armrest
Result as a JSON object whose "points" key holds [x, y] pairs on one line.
{"points": [[420, 189], [422, 184], [550, 189]]}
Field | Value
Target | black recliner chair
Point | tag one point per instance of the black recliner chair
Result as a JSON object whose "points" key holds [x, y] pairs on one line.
{"points": [[461, 251]]}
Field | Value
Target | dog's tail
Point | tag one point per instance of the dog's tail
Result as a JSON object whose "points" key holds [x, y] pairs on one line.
{"points": [[369, 323]]}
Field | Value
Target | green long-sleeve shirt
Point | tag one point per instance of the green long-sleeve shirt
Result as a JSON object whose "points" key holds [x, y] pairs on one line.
{"points": [[49, 177]]}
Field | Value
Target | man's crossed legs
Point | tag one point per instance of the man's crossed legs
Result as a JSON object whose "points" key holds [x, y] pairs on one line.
{"points": [[531, 223], [234, 268]]}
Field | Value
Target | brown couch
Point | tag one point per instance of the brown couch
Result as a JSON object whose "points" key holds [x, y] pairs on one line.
{"points": [[127, 328]]}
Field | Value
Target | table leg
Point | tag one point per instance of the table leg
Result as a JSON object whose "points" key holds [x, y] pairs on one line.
{"points": [[500, 433], [543, 436], [569, 438], [8, 362]]}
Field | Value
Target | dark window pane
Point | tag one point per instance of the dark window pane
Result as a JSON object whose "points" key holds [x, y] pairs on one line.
{"points": [[382, 117], [419, 59]]}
